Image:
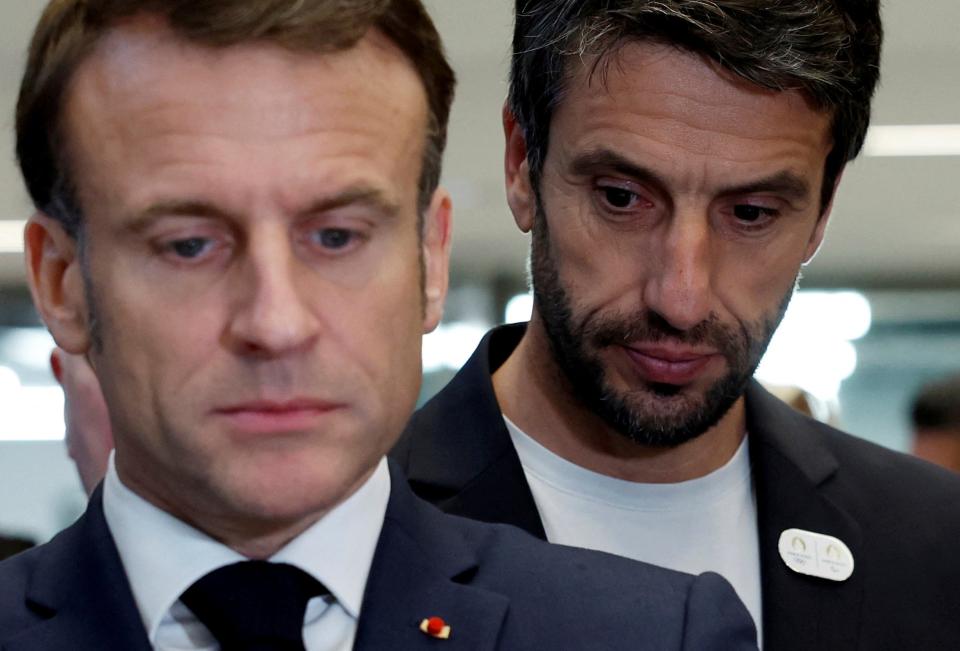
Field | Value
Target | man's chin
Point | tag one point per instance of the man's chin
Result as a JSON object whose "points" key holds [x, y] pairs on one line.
{"points": [[664, 416], [267, 491]]}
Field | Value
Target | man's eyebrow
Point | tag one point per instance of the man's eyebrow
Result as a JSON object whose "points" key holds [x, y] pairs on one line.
{"points": [[365, 196], [590, 162], [362, 196], [786, 184], [174, 208]]}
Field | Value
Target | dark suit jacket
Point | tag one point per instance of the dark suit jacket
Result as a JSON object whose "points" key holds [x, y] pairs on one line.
{"points": [[497, 588], [899, 516]]}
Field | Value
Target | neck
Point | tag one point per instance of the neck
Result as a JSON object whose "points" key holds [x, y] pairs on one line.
{"points": [[534, 394]]}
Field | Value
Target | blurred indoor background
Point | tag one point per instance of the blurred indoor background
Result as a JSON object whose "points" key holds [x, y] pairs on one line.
{"points": [[879, 312]]}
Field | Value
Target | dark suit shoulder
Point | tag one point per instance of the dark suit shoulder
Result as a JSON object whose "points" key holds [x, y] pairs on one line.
{"points": [[866, 480], [542, 596], [884, 485], [15, 573], [589, 594]]}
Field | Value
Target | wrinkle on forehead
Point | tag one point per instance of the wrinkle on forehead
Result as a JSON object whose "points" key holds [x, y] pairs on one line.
{"points": [[124, 68], [146, 94], [667, 108], [669, 76]]}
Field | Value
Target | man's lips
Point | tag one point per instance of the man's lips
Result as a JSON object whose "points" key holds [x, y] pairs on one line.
{"points": [[666, 364], [267, 416]]}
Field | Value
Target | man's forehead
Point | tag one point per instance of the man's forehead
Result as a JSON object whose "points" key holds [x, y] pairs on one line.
{"points": [[137, 53], [682, 82], [149, 98]]}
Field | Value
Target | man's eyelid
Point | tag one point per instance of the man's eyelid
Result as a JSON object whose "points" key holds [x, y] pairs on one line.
{"points": [[168, 229], [357, 203], [356, 217], [764, 206], [640, 191], [627, 184], [765, 200], [176, 212], [168, 235]]}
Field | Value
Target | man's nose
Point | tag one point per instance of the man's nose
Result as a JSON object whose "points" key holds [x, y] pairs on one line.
{"points": [[679, 280], [274, 314]]}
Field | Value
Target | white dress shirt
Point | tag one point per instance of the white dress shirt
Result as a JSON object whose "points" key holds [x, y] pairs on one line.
{"points": [[163, 556], [708, 523]]}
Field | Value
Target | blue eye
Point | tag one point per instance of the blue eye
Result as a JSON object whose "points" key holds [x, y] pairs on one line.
{"points": [[333, 238], [191, 247]]}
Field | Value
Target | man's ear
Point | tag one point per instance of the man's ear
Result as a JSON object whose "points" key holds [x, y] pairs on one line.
{"points": [[816, 237], [520, 195], [436, 257], [56, 282]]}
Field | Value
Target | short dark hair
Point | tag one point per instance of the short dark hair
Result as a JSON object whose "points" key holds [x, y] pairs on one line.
{"points": [[828, 49], [937, 404], [69, 29]]}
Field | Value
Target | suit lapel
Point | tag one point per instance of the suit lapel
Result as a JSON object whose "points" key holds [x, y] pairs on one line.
{"points": [[422, 568], [457, 452], [80, 590], [793, 470]]}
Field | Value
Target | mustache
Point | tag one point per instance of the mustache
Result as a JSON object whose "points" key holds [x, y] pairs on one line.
{"points": [[649, 327]]}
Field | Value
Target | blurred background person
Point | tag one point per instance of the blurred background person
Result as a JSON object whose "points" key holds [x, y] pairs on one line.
{"points": [[805, 402], [11, 546], [87, 430], [935, 415]]}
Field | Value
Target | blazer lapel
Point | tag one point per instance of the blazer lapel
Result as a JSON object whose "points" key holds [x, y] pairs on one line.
{"points": [[793, 471], [457, 452], [81, 591], [421, 569]]}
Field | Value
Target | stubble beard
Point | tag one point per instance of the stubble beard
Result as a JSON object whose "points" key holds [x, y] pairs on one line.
{"points": [[649, 414]]}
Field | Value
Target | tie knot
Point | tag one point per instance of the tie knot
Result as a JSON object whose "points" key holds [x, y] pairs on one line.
{"points": [[254, 605]]}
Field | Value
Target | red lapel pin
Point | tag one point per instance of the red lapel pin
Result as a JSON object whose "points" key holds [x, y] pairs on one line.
{"points": [[435, 627]]}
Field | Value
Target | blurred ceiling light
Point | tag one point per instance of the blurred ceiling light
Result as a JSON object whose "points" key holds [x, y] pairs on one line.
{"points": [[519, 308], [9, 380], [913, 140], [836, 315], [27, 347], [31, 414], [11, 235], [812, 348], [451, 344]]}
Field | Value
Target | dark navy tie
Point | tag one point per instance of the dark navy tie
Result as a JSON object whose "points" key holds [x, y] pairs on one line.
{"points": [[254, 605]]}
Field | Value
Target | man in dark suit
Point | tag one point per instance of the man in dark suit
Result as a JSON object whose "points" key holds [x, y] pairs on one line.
{"points": [[675, 163], [935, 418], [238, 224]]}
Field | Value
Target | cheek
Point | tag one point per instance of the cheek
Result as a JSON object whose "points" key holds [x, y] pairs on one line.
{"points": [[751, 288], [382, 327], [602, 274], [156, 355]]}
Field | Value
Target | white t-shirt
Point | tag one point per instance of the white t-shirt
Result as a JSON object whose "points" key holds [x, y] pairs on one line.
{"points": [[706, 524]]}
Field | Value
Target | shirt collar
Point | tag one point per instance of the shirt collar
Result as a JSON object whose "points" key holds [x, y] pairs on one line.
{"points": [[163, 555], [571, 478]]}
